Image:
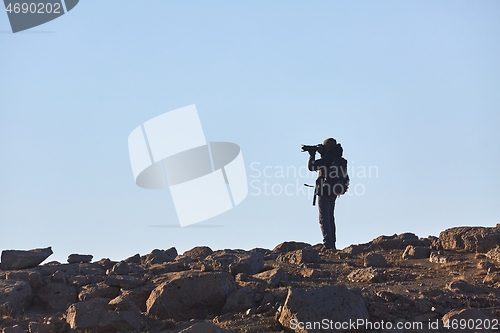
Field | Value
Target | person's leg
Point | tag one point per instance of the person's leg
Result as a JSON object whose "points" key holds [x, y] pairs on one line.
{"points": [[325, 220], [332, 220]]}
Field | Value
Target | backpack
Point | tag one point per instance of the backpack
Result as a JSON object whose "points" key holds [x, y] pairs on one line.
{"points": [[335, 181]]}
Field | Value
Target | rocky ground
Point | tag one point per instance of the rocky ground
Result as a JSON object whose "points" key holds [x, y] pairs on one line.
{"points": [[393, 280]]}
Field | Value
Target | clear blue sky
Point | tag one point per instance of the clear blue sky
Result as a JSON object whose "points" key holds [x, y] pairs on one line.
{"points": [[410, 88]]}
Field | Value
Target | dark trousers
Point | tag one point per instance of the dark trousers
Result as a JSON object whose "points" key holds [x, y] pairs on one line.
{"points": [[326, 205]]}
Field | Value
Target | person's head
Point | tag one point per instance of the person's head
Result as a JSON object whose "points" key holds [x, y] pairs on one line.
{"points": [[329, 144]]}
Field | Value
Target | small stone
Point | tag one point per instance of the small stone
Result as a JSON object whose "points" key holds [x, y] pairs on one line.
{"points": [[375, 260], [250, 312], [241, 277]]}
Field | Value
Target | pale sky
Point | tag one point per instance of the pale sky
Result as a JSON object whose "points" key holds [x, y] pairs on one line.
{"points": [[409, 88]]}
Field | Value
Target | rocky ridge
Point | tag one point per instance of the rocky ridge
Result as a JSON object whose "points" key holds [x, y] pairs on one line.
{"points": [[393, 279]]}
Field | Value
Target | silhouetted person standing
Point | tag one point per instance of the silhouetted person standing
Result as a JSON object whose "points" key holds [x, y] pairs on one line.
{"points": [[332, 181]]}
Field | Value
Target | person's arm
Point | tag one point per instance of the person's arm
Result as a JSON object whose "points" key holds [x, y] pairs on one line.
{"points": [[315, 165], [310, 164]]}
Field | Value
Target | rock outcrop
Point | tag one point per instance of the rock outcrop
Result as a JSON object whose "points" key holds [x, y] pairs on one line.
{"points": [[399, 278], [19, 259], [470, 239]]}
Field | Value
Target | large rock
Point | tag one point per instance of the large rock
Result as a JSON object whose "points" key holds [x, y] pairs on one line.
{"points": [[470, 239], [375, 260], [56, 297], [32, 277], [299, 257], [189, 295], [437, 257], [237, 261], [121, 268], [368, 274], [98, 316], [99, 290], [333, 303], [19, 259], [272, 277], [123, 281], [15, 297], [240, 301], [453, 318], [290, 246], [138, 295], [494, 254], [396, 242], [80, 258], [199, 252], [159, 256], [416, 252]]}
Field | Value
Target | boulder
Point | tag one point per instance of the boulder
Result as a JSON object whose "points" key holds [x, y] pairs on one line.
{"points": [[19, 259], [167, 267], [138, 295], [159, 256], [375, 260], [355, 249], [396, 242], [240, 301], [416, 252], [455, 315], [290, 246], [121, 268], [59, 276], [299, 257], [189, 295], [494, 254], [98, 316], [136, 258], [78, 281], [99, 290], [368, 274], [56, 297], [15, 297], [470, 239], [237, 261], [123, 281], [460, 286], [333, 303], [80, 258], [272, 277], [34, 278], [106, 263], [198, 252]]}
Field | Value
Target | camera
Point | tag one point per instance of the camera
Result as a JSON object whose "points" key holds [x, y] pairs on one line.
{"points": [[313, 149]]}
